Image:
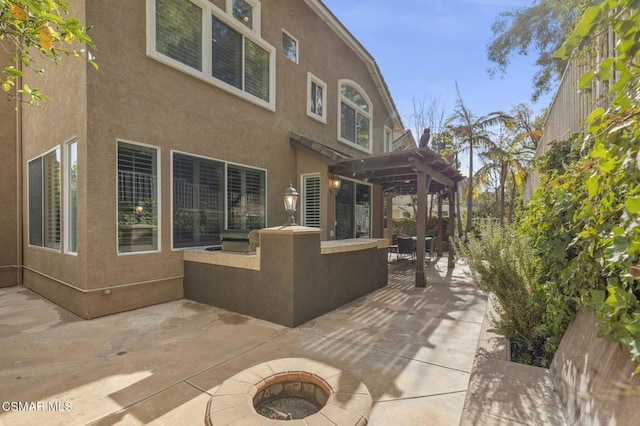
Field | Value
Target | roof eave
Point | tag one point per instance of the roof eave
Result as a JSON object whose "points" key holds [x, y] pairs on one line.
{"points": [[334, 23]]}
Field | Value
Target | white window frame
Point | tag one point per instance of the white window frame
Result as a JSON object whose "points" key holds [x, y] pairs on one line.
{"points": [[158, 196], [256, 17], [210, 10], [368, 114], [303, 206], [226, 203], [288, 34], [42, 247], [388, 139], [66, 177], [311, 78]]}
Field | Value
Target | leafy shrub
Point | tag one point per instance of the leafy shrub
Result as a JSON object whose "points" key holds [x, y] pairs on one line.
{"points": [[603, 254], [505, 266]]}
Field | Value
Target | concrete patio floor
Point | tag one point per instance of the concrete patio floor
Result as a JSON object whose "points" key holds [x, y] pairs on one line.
{"points": [[412, 347]]}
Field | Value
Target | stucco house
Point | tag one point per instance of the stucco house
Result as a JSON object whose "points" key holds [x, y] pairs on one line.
{"points": [[200, 116], [194, 124]]}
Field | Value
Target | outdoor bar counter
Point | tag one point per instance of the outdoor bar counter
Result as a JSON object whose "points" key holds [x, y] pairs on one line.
{"points": [[292, 277]]}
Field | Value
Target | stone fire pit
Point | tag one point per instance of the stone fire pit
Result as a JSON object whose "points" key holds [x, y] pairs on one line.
{"points": [[291, 392]]}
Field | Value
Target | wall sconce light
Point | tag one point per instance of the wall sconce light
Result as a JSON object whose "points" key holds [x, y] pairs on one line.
{"points": [[290, 198], [334, 184]]}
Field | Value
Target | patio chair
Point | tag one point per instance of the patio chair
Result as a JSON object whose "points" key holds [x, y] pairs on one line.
{"points": [[406, 246], [430, 245], [393, 248]]}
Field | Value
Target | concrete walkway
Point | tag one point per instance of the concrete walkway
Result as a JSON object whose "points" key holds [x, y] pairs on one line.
{"points": [[413, 348]]}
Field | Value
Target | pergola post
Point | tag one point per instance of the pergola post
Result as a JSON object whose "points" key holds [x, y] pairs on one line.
{"points": [[389, 205], [452, 225], [440, 238], [421, 226]]}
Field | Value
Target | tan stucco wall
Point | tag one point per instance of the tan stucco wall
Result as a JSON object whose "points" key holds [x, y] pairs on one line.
{"points": [[138, 99], [8, 181], [297, 279], [62, 118]]}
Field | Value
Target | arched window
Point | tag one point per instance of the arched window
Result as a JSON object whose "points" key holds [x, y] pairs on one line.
{"points": [[355, 116]]}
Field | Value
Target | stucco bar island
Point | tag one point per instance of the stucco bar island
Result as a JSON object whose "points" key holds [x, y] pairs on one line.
{"points": [[292, 277]]}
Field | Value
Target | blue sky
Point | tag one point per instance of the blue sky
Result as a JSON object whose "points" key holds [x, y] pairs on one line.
{"points": [[423, 47]]}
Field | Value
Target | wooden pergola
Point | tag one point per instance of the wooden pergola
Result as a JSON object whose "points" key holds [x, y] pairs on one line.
{"points": [[416, 171]]}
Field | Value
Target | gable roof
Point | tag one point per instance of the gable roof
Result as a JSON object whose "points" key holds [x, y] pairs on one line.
{"points": [[330, 19]]}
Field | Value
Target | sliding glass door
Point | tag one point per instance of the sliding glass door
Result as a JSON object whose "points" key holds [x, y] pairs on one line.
{"points": [[353, 210]]}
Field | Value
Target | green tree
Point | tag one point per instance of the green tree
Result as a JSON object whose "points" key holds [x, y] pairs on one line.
{"points": [[446, 145], [541, 28], [32, 29], [503, 158], [471, 131]]}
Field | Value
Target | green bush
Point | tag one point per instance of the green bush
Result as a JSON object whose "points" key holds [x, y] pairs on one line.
{"points": [[505, 266], [406, 226]]}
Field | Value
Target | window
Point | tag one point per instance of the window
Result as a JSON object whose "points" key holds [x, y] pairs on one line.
{"points": [[355, 117], [198, 201], [388, 139], [238, 61], [317, 93], [44, 200], [137, 198], [289, 46], [243, 12], [71, 197], [179, 31], [311, 200], [228, 54], [247, 12], [353, 210], [246, 202], [199, 187]]}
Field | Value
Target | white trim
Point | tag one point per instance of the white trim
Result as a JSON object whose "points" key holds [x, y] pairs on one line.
{"points": [[66, 185], [288, 34], [158, 195], [387, 146], [210, 10], [42, 247], [311, 78], [303, 191], [368, 114]]}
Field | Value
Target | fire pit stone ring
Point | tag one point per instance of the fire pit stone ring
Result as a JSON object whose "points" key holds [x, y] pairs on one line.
{"points": [[340, 398]]}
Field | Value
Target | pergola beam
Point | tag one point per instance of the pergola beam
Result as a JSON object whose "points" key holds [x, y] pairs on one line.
{"points": [[430, 171]]}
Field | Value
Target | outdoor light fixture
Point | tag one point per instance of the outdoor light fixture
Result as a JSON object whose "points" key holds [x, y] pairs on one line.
{"points": [[290, 198], [334, 183]]}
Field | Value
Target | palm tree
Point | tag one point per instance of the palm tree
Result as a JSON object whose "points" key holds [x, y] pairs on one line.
{"points": [[504, 160], [471, 131], [449, 149], [511, 159]]}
